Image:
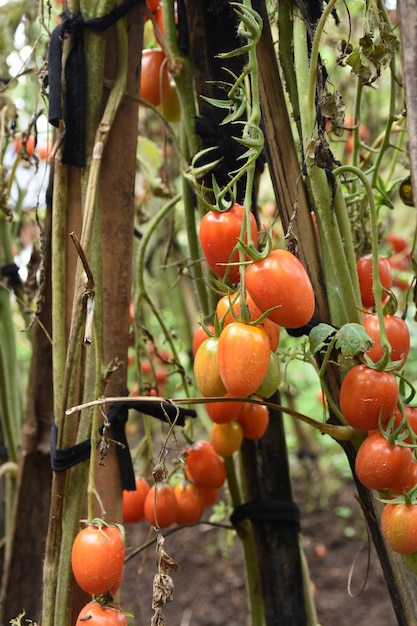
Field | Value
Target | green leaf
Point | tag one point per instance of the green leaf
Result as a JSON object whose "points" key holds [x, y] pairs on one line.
{"points": [[352, 339], [320, 336]]}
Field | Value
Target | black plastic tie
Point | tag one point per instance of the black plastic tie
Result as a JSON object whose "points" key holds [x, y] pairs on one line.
{"points": [[277, 511]]}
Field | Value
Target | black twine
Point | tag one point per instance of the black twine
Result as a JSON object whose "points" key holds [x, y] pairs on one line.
{"points": [[277, 511], [72, 110]]}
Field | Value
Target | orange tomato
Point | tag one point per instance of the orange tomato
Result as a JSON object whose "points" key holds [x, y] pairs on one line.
{"points": [[243, 358], [223, 412], [161, 505], [206, 368], [226, 438], [254, 419], [134, 502], [190, 503], [204, 466]]}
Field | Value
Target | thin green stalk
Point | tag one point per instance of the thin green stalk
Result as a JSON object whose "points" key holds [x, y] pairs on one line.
{"points": [[376, 286], [181, 69], [343, 295], [246, 536]]}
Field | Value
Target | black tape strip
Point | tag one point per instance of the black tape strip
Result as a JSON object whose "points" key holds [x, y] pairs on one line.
{"points": [[278, 511]]}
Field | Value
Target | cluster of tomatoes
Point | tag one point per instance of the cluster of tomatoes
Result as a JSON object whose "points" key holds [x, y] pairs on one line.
{"points": [[97, 560], [369, 400], [163, 504], [235, 357]]}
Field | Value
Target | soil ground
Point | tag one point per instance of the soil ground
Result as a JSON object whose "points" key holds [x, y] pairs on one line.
{"points": [[209, 586]]}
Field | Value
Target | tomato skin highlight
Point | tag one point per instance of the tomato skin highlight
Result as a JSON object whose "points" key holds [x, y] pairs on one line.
{"points": [[243, 355], [281, 281], [219, 233], [206, 369], [364, 268], [96, 615], [399, 527], [204, 466], [134, 502], [367, 395], [398, 336], [379, 465], [165, 504], [97, 558]]}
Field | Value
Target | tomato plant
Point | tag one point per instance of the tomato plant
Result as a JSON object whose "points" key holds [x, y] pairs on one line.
{"points": [[281, 283], [97, 558], [190, 503], [207, 370], [243, 358], [154, 78], [254, 419], [399, 527], [134, 502], [364, 267], [161, 505], [379, 465], [96, 614], [367, 396], [226, 438], [219, 234], [398, 336], [204, 465]]}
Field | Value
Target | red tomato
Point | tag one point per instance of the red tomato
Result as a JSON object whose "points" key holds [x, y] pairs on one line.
{"points": [[367, 395], [226, 438], [399, 244], [206, 369], [97, 558], [219, 233], [281, 281], [398, 336], [204, 465], [25, 145], [210, 495], [134, 502], [254, 419], [406, 483], [223, 412], [379, 465], [154, 78], [161, 509], [364, 268], [190, 503], [411, 415], [200, 335], [399, 527], [243, 358], [94, 614]]}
